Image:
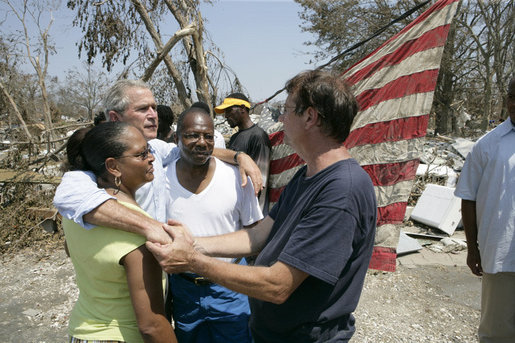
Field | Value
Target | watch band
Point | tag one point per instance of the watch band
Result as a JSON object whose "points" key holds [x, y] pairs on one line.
{"points": [[236, 156]]}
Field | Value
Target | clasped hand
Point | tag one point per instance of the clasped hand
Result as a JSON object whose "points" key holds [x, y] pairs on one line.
{"points": [[175, 257]]}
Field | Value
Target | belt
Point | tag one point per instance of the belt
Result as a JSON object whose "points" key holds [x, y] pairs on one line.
{"points": [[197, 280]]}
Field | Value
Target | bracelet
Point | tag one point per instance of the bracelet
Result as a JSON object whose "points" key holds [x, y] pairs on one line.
{"points": [[236, 156]]}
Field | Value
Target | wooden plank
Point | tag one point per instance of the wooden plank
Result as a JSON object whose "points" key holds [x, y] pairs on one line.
{"points": [[42, 212], [25, 176]]}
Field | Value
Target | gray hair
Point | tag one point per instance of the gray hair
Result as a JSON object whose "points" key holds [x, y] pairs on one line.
{"points": [[116, 98]]}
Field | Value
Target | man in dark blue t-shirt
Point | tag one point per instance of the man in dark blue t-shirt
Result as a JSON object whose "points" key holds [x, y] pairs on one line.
{"points": [[315, 245]]}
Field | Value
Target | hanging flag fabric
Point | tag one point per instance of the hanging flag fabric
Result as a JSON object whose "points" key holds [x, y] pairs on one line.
{"points": [[394, 86]]}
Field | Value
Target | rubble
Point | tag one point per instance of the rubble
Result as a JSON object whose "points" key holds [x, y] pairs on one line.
{"points": [[437, 302], [426, 303], [407, 244], [448, 245], [434, 217], [438, 208]]}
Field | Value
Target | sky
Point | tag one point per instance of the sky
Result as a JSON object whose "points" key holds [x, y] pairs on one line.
{"points": [[261, 42]]}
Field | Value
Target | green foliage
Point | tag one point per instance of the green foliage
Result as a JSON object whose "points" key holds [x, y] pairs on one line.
{"points": [[112, 29], [339, 25]]}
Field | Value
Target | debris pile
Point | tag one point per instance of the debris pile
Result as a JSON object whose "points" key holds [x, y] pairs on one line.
{"points": [[428, 221], [433, 216]]}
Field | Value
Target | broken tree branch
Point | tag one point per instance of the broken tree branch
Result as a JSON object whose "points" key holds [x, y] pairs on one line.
{"points": [[189, 30]]}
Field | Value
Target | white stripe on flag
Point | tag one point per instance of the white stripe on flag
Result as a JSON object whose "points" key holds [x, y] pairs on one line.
{"points": [[388, 152], [413, 105], [419, 62], [392, 194], [282, 179], [280, 151], [434, 20]]}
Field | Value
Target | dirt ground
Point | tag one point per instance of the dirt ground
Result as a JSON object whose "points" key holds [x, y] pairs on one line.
{"points": [[432, 297]]}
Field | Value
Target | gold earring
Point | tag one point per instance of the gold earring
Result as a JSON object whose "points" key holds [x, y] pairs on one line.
{"points": [[117, 183]]}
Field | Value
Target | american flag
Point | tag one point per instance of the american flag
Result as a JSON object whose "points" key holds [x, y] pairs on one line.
{"points": [[394, 86]]}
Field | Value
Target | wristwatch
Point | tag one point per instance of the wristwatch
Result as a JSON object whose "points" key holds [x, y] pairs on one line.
{"points": [[236, 156]]}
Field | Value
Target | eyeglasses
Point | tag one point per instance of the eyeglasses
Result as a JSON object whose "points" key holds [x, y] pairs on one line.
{"points": [[142, 155], [283, 108], [278, 111], [196, 136]]}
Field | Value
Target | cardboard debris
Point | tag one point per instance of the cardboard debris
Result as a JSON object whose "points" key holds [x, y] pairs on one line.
{"points": [[444, 171], [407, 244], [439, 208], [463, 146], [448, 245], [428, 233]]}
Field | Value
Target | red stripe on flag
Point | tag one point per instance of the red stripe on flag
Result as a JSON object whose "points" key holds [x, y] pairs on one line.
{"points": [[388, 131], [285, 163], [383, 258], [422, 82], [391, 214], [275, 193], [431, 39], [391, 173], [276, 138], [436, 7]]}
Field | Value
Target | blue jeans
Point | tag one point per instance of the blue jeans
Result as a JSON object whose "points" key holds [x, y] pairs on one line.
{"points": [[208, 313]]}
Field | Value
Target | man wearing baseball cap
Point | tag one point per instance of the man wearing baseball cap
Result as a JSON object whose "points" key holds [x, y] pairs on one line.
{"points": [[250, 138]]}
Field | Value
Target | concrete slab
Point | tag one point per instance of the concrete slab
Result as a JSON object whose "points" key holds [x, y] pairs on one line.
{"points": [[426, 257], [407, 244]]}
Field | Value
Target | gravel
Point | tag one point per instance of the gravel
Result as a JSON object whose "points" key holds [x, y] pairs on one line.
{"points": [[426, 302]]}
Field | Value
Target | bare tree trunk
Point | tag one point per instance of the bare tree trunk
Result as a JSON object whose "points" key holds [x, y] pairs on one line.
{"points": [[16, 111], [193, 47], [176, 75], [189, 30], [500, 28], [444, 93], [41, 71], [201, 71]]}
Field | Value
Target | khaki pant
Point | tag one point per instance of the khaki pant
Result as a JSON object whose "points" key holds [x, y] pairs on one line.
{"points": [[497, 323]]}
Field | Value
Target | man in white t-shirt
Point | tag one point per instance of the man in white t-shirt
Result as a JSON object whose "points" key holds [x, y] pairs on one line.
{"points": [[207, 196], [487, 189]]}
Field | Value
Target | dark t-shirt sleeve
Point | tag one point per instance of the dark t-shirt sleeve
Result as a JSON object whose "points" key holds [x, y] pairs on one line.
{"points": [[321, 243], [255, 143]]}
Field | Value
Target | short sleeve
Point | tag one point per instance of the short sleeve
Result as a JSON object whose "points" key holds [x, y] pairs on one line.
{"points": [[250, 212], [167, 152], [219, 140], [77, 195], [471, 174]]}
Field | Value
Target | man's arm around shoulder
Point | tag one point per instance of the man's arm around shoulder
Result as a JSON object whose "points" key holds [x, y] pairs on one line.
{"points": [[78, 194], [246, 165], [78, 198], [114, 215]]}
